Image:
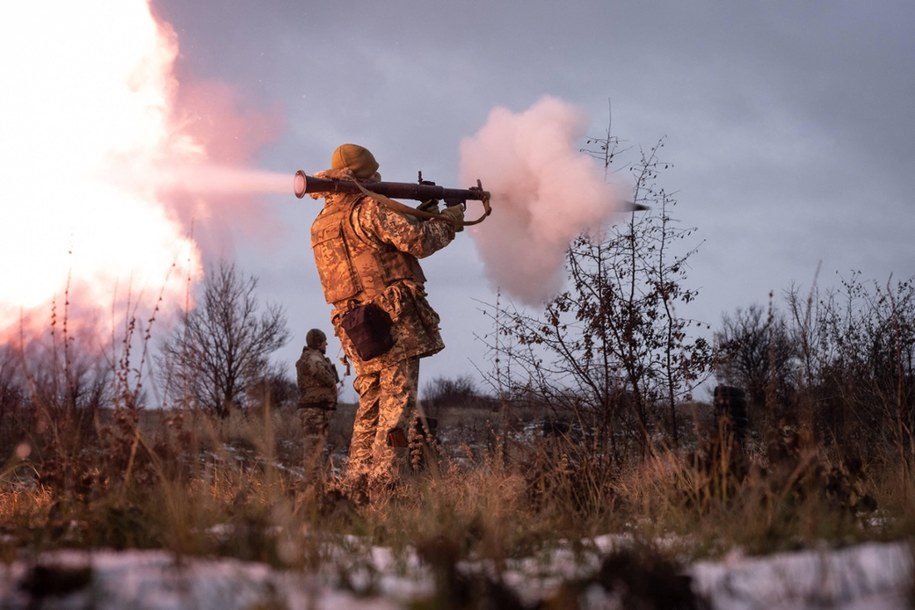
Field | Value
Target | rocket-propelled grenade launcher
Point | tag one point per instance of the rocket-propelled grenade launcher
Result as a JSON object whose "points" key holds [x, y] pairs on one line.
{"points": [[422, 190]]}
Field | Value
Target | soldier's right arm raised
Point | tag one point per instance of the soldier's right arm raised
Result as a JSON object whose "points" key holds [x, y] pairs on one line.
{"points": [[419, 238]]}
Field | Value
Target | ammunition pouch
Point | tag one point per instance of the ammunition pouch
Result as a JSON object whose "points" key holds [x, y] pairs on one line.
{"points": [[368, 327]]}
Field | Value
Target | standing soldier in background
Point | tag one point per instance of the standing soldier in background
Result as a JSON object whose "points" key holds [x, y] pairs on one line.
{"points": [[317, 379], [366, 254]]}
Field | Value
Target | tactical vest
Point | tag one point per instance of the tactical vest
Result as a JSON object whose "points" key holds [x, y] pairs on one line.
{"points": [[350, 267]]}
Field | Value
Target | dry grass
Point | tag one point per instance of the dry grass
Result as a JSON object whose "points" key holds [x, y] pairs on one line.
{"points": [[498, 492], [239, 487]]}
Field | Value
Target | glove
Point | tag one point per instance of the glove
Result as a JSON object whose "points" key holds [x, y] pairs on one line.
{"points": [[429, 206], [455, 214]]}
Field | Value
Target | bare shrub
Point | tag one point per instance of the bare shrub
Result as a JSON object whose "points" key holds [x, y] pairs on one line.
{"points": [[839, 363], [756, 351], [443, 393], [275, 387], [859, 367], [611, 349]]}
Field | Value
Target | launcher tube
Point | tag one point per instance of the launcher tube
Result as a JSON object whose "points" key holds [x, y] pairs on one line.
{"points": [[304, 184]]}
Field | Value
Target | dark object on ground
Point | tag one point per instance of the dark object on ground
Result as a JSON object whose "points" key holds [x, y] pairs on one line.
{"points": [[731, 404], [55, 581]]}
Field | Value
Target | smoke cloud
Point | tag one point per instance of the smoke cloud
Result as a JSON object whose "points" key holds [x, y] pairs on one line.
{"points": [[545, 192]]}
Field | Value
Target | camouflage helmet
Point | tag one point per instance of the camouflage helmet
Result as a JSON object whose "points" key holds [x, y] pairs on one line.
{"points": [[358, 159], [315, 338]]}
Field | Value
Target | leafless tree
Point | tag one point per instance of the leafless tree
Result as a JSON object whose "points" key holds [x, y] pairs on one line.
{"points": [[221, 348]]}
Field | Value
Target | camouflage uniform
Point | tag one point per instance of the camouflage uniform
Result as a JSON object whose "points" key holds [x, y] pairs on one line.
{"points": [[317, 380], [366, 253]]}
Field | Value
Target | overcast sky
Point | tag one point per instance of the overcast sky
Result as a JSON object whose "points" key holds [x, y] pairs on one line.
{"points": [[790, 126]]}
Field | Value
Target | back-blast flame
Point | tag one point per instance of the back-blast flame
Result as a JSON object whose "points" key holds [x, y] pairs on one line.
{"points": [[91, 108]]}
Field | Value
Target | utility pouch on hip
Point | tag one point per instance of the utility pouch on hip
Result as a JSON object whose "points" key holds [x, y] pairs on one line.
{"points": [[368, 328]]}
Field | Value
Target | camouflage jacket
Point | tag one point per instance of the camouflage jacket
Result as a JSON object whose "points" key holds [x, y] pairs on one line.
{"points": [[317, 379], [348, 230]]}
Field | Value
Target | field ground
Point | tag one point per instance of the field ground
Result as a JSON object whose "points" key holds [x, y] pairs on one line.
{"points": [[186, 511]]}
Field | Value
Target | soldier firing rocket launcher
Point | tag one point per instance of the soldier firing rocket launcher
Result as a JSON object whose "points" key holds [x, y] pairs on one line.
{"points": [[422, 190]]}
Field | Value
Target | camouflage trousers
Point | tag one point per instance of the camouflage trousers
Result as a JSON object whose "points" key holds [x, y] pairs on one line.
{"points": [[315, 454], [384, 424], [315, 423]]}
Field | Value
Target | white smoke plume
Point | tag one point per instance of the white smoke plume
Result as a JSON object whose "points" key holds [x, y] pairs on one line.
{"points": [[545, 192]]}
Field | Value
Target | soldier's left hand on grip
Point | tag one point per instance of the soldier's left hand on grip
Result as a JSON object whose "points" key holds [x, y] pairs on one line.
{"points": [[430, 205], [455, 214]]}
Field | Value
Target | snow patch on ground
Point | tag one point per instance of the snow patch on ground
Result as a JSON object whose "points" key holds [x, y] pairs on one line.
{"points": [[872, 576], [867, 576]]}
